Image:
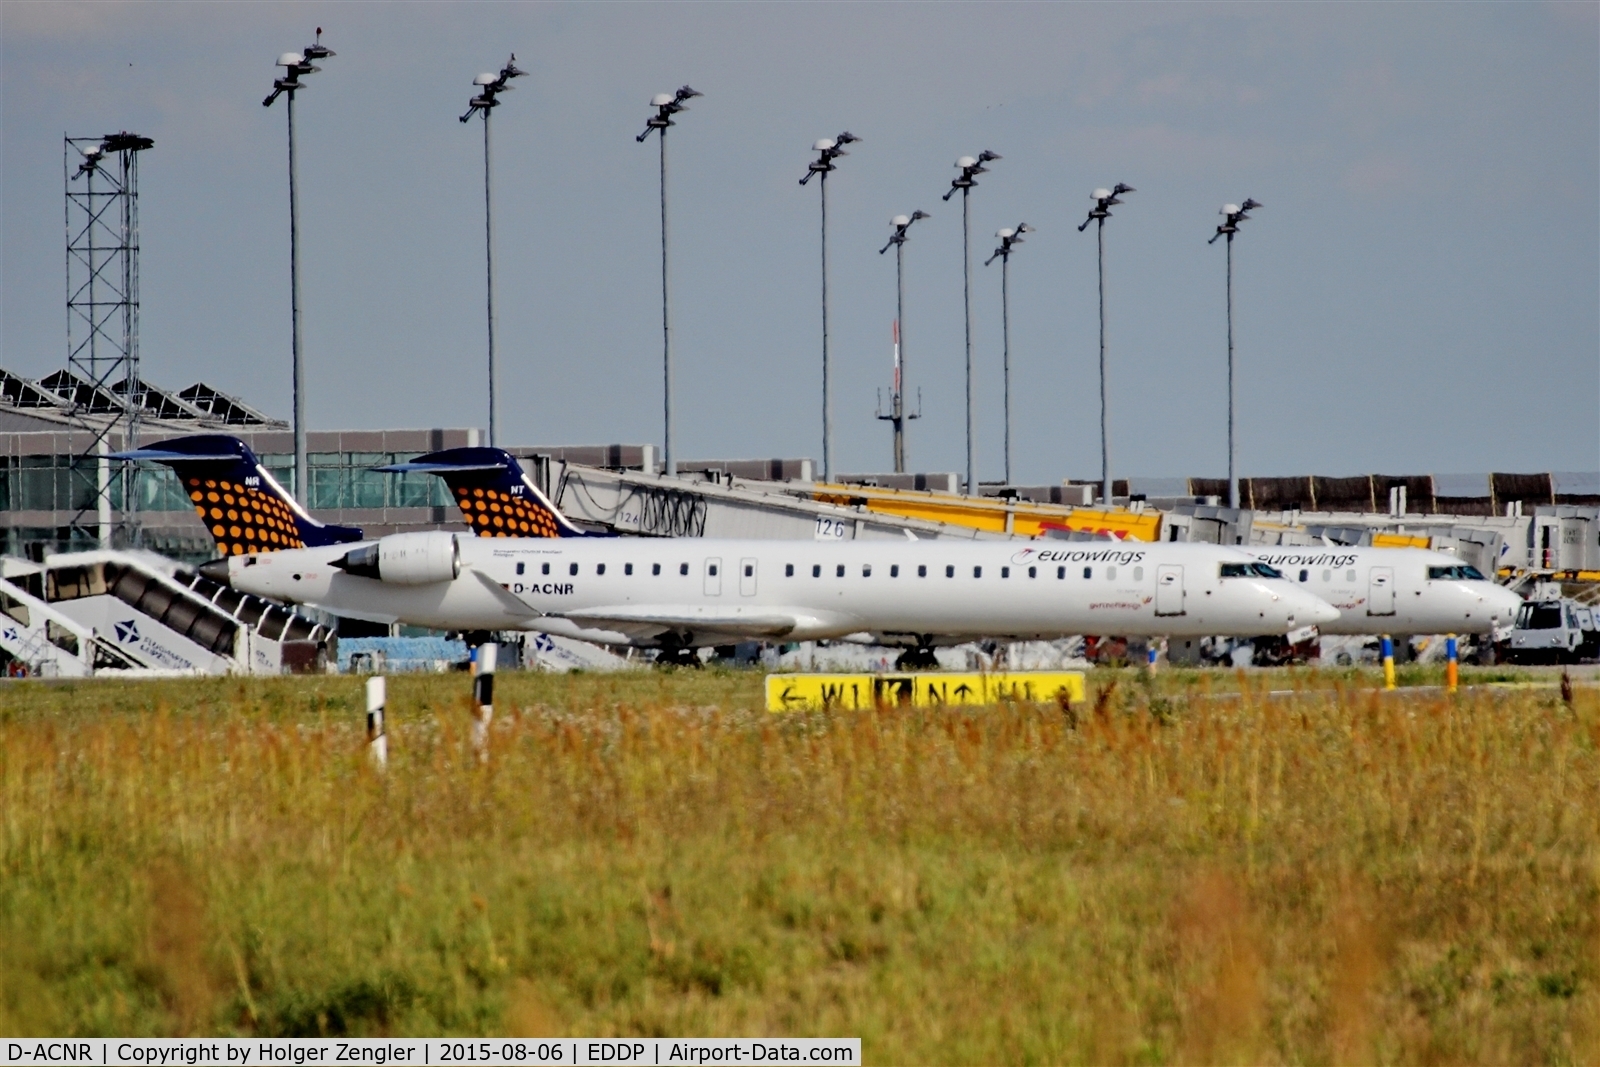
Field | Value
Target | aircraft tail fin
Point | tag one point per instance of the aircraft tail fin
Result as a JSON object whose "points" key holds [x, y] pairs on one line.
{"points": [[495, 495], [241, 503]]}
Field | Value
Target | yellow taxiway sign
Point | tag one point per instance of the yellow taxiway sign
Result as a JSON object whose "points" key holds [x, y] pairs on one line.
{"points": [[820, 692]]}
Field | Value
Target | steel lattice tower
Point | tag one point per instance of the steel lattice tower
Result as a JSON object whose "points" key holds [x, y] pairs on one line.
{"points": [[101, 179]]}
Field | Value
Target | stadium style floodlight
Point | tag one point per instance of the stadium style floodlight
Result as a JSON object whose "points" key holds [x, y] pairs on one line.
{"points": [[897, 413], [666, 105], [296, 65], [970, 167], [1232, 215], [1010, 237], [1104, 201], [490, 86], [828, 149]]}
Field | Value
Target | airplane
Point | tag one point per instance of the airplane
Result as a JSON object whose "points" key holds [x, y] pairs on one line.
{"points": [[531, 569], [1394, 590]]}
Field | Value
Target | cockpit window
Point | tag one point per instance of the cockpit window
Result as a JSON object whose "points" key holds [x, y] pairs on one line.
{"points": [[1249, 570], [1462, 572]]}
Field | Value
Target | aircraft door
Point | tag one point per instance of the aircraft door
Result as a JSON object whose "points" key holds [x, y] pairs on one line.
{"points": [[1380, 591], [713, 577], [1169, 589], [747, 577]]}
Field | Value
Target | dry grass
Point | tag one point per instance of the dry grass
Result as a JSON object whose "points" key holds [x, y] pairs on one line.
{"points": [[1333, 878]]}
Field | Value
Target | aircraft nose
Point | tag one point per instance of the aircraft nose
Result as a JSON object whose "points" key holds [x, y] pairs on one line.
{"points": [[1311, 610], [1503, 603], [216, 570]]}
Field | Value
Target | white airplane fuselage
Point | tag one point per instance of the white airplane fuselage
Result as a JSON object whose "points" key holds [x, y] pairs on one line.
{"points": [[694, 591], [1394, 590]]}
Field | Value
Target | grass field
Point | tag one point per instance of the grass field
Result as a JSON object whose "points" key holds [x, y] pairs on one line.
{"points": [[1190, 872]]}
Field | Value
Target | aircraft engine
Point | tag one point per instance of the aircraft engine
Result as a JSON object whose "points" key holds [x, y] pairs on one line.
{"points": [[406, 559]]}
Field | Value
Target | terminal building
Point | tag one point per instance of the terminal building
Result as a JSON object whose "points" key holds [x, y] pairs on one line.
{"points": [[52, 431]]}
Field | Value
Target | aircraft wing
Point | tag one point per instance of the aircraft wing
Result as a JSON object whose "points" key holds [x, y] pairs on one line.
{"points": [[643, 621]]}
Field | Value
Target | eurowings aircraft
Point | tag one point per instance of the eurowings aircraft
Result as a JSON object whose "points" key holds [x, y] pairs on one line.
{"points": [[1395, 590], [531, 569]]}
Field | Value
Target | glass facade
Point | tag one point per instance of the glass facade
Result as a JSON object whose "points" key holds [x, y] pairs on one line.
{"points": [[338, 480]]}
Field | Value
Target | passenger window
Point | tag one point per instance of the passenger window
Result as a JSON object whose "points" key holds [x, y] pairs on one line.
{"points": [[1350, 575], [683, 568], [1327, 576], [1305, 575], [1111, 573], [572, 569], [749, 570], [600, 568], [866, 570], [1088, 572], [816, 570], [788, 570], [520, 567], [1138, 574], [977, 572], [627, 568], [922, 570], [655, 568], [1033, 572], [949, 572], [544, 568], [1005, 572], [894, 570], [838, 572], [1061, 572]]}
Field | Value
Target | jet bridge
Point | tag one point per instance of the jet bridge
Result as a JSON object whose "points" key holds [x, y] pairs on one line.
{"points": [[653, 505], [107, 611]]}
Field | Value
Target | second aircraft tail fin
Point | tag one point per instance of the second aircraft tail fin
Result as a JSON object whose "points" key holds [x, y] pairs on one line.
{"points": [[495, 495]]}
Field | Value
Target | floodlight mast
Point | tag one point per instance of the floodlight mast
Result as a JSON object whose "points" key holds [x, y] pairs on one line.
{"points": [[297, 64], [490, 86], [828, 149], [970, 167], [666, 105], [1104, 201], [1010, 237], [1232, 215], [897, 416]]}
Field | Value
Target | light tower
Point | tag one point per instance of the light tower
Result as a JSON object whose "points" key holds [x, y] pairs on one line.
{"points": [[102, 220], [1010, 237], [489, 87], [666, 105], [296, 64], [1104, 201], [970, 167], [1232, 215], [828, 149], [897, 416]]}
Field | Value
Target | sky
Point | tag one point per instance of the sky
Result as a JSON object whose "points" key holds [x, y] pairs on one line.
{"points": [[1420, 292]]}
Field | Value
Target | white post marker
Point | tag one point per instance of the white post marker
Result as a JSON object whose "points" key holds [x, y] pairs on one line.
{"points": [[483, 698], [377, 740]]}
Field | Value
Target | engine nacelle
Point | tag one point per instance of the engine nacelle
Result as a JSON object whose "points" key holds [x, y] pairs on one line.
{"points": [[406, 559]]}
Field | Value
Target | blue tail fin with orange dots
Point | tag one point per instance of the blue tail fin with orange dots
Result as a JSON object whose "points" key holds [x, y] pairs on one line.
{"points": [[496, 497], [238, 499]]}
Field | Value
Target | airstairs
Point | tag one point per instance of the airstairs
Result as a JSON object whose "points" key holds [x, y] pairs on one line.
{"points": [[133, 612]]}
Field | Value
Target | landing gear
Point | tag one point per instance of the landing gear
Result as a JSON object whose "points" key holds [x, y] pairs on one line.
{"points": [[678, 656], [917, 659]]}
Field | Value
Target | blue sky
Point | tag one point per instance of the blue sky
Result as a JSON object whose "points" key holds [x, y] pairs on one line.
{"points": [[1418, 294]]}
